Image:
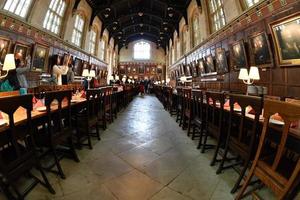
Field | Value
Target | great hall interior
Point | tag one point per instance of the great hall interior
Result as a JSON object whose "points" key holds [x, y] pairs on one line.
{"points": [[149, 99]]}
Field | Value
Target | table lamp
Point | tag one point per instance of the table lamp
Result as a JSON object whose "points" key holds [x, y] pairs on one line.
{"points": [[253, 75], [85, 73], [9, 64], [92, 74]]}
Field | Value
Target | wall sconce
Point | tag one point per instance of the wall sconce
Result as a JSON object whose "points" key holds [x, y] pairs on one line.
{"points": [[85, 73], [253, 75], [9, 64]]}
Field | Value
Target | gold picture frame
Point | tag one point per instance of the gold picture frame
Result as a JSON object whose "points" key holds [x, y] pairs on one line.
{"points": [[286, 36], [40, 58], [4, 48]]}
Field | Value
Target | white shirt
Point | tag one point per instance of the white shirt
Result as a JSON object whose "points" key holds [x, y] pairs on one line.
{"points": [[59, 70]]}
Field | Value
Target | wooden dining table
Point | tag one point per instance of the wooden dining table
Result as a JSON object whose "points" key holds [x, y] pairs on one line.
{"points": [[20, 115]]}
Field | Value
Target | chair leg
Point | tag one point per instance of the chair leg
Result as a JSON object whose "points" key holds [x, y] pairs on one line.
{"points": [[189, 126], [98, 132], [200, 139], [193, 132], [89, 141], [246, 183], [216, 153], [46, 182], [73, 151], [204, 143], [224, 158], [57, 163], [242, 174]]}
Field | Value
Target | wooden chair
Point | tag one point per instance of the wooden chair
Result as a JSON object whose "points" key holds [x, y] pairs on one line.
{"points": [[106, 109], [187, 109], [280, 170], [243, 133], [214, 122], [58, 131], [171, 101], [198, 111], [179, 107], [86, 119], [17, 149]]}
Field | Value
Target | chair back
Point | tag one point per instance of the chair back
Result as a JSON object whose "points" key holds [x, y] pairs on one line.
{"points": [[187, 101], [197, 104], [179, 97], [93, 98], [58, 105], [17, 140], [243, 131], [107, 98], [215, 112], [281, 170]]}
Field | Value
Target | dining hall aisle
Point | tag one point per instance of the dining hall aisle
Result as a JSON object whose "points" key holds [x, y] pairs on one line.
{"points": [[143, 154]]}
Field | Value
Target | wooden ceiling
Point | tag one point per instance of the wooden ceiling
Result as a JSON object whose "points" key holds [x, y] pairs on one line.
{"points": [[130, 20]]}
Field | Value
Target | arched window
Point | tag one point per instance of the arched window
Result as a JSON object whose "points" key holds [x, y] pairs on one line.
{"points": [[178, 50], [183, 41], [250, 3], [217, 15], [142, 50], [78, 30], [196, 29], [102, 49], [18, 7], [54, 16], [92, 41]]}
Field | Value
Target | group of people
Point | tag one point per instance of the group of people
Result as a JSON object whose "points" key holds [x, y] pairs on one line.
{"points": [[62, 74], [144, 86], [16, 79]]}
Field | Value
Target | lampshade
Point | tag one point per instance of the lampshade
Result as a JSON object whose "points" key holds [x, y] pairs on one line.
{"points": [[92, 73], [254, 73], [129, 80], [123, 80], [168, 80], [111, 78], [85, 73], [243, 75], [117, 77], [9, 62], [163, 81], [133, 81]]}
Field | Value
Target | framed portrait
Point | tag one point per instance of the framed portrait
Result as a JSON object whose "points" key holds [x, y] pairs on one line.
{"points": [[78, 67], [181, 68], [141, 69], [210, 66], [129, 69], [286, 35], [105, 74], [221, 61], [201, 66], [148, 70], [122, 70], [4, 48], [159, 70], [153, 70], [239, 57], [134, 69], [100, 73], [21, 51], [176, 73], [40, 58], [188, 70], [260, 49], [194, 69]]}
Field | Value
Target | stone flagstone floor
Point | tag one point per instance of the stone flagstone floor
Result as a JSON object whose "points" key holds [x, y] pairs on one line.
{"points": [[142, 155]]}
